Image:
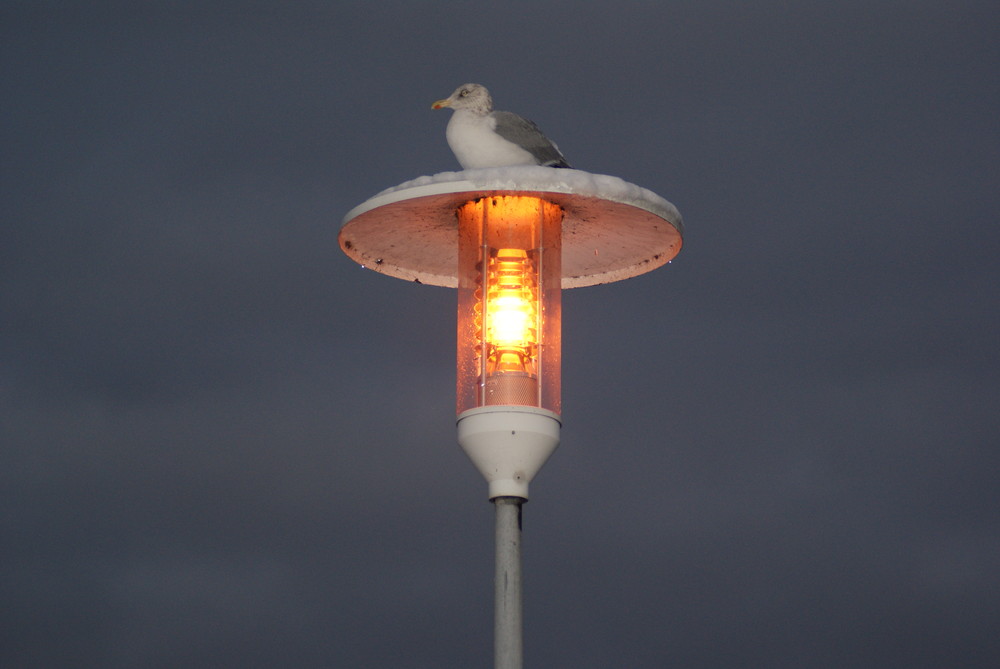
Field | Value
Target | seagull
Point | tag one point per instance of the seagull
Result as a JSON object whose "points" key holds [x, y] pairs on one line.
{"points": [[481, 137]]}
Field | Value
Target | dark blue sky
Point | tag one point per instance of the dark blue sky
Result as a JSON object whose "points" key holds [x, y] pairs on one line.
{"points": [[224, 444]]}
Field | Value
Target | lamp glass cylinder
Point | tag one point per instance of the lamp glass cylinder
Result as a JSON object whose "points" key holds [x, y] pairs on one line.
{"points": [[509, 303]]}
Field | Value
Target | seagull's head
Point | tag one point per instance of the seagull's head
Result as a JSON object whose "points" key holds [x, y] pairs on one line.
{"points": [[470, 97]]}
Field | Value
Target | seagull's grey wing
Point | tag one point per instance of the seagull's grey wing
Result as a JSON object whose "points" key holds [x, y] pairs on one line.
{"points": [[526, 134]]}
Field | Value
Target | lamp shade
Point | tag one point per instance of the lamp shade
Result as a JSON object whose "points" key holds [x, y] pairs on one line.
{"points": [[611, 229]]}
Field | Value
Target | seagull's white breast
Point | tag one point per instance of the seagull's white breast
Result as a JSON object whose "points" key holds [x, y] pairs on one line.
{"points": [[474, 143]]}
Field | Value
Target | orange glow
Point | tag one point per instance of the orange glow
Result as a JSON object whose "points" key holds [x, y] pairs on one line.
{"points": [[511, 313], [509, 305]]}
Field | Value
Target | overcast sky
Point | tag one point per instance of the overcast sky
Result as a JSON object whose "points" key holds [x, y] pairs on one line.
{"points": [[223, 444]]}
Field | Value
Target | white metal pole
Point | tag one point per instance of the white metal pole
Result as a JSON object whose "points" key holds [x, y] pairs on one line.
{"points": [[507, 623]]}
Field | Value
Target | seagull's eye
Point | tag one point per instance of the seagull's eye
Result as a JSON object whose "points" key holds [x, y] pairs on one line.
{"points": [[465, 92]]}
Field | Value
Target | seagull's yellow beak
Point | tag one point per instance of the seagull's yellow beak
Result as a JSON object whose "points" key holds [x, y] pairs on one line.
{"points": [[441, 103]]}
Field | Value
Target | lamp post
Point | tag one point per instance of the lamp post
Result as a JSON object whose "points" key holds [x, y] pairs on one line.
{"points": [[510, 239]]}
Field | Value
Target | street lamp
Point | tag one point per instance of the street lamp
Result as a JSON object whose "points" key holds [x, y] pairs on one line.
{"points": [[510, 239]]}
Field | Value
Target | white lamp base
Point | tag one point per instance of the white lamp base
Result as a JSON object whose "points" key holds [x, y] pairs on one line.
{"points": [[508, 444]]}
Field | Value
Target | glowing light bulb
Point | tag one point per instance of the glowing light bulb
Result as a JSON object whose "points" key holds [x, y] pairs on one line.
{"points": [[511, 313], [508, 324]]}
